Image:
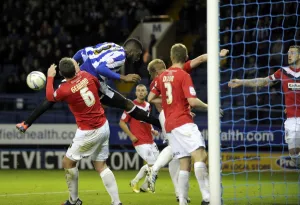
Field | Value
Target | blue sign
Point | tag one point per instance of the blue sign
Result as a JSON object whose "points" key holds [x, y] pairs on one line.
{"points": [[231, 135]]}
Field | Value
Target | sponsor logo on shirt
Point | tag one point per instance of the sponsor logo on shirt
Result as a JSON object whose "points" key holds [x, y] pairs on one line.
{"points": [[294, 86], [192, 90]]}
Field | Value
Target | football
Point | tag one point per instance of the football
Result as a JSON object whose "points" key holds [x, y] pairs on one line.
{"points": [[36, 80]]}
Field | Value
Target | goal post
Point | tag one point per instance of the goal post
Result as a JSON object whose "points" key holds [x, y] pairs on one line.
{"points": [[214, 153]]}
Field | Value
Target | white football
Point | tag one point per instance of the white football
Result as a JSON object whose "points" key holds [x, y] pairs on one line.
{"points": [[36, 80]]}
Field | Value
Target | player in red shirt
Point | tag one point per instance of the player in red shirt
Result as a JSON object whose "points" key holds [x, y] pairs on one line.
{"points": [[178, 94], [155, 68], [140, 133], [80, 91], [290, 82]]}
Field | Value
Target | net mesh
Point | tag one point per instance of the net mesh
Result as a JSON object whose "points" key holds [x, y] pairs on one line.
{"points": [[256, 167]]}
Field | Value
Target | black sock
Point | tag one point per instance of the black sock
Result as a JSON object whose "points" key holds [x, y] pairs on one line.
{"points": [[142, 115], [38, 111]]}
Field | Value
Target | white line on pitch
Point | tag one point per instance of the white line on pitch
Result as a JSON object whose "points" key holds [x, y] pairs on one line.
{"points": [[42, 193]]}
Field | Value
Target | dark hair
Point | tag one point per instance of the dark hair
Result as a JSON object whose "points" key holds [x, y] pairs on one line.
{"points": [[67, 68], [135, 41], [295, 46]]}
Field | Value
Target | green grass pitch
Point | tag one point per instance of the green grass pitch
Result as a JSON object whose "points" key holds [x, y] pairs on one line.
{"points": [[47, 187]]}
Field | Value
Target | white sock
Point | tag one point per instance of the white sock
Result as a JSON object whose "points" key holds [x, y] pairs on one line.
{"points": [[110, 184], [163, 159], [202, 178], [183, 186], [174, 168], [141, 173], [72, 182]]}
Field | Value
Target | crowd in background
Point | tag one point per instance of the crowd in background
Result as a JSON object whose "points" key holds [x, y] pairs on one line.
{"points": [[36, 33]]}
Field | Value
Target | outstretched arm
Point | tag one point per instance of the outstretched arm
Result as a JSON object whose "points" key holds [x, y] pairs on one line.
{"points": [[49, 86], [203, 58], [256, 82]]}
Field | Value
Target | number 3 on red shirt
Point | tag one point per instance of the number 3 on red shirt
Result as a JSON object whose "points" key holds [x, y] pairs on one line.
{"points": [[168, 86], [87, 96]]}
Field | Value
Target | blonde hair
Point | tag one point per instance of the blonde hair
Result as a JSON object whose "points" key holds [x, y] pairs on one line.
{"points": [[178, 53], [156, 64]]}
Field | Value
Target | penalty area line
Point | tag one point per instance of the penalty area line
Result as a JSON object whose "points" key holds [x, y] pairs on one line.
{"points": [[43, 193]]}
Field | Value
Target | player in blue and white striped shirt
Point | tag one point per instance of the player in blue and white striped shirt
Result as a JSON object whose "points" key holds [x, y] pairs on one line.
{"points": [[103, 61]]}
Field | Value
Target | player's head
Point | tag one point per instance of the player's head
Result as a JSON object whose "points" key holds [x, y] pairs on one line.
{"points": [[134, 49], [141, 92], [179, 53], [294, 55], [156, 67], [68, 67]]}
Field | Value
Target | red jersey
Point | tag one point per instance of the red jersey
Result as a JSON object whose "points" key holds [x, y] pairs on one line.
{"points": [[186, 67], [175, 86], [139, 129], [81, 94], [290, 82]]}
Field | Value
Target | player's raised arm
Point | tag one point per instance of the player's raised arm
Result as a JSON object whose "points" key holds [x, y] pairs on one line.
{"points": [[255, 82], [50, 79], [203, 58]]}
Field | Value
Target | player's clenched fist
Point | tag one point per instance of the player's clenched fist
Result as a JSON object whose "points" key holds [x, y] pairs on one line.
{"points": [[52, 70], [234, 83]]}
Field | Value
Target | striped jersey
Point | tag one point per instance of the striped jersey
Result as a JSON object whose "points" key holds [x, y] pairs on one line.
{"points": [[101, 60]]}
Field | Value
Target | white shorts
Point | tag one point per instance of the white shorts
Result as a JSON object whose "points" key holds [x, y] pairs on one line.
{"points": [[106, 90], [185, 139], [92, 143], [162, 120], [292, 132], [149, 152]]}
